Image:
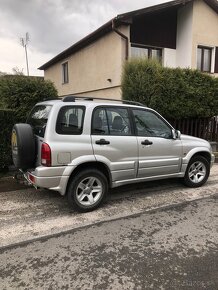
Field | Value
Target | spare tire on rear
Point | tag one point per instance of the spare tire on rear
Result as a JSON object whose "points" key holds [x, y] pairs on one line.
{"points": [[23, 146]]}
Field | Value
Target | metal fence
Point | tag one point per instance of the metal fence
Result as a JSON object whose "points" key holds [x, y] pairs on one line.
{"points": [[206, 128]]}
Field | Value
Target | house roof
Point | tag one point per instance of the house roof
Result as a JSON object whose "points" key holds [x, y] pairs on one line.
{"points": [[120, 19]]}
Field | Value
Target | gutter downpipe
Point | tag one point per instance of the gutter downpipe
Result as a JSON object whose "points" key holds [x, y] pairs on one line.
{"points": [[123, 36]]}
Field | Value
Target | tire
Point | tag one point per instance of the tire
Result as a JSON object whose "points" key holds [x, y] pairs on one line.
{"points": [[82, 192], [23, 146], [197, 172]]}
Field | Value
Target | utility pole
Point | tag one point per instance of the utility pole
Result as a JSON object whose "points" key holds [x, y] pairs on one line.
{"points": [[24, 42]]}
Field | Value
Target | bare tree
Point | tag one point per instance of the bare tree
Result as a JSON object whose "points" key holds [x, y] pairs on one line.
{"points": [[17, 71], [24, 43]]}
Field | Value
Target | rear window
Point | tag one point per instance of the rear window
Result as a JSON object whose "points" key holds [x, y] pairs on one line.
{"points": [[70, 120], [38, 119]]}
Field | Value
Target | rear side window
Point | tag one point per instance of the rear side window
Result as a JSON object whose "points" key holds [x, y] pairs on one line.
{"points": [[70, 120], [38, 119], [111, 121]]}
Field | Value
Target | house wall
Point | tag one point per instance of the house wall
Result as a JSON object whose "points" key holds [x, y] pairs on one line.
{"points": [[91, 67], [184, 36], [205, 29], [169, 57]]}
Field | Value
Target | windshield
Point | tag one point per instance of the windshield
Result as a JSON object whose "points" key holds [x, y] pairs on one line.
{"points": [[38, 119]]}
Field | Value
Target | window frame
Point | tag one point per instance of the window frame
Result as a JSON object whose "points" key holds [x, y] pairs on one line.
{"points": [[203, 48], [156, 114], [132, 132], [60, 114], [149, 48], [65, 74], [216, 60]]}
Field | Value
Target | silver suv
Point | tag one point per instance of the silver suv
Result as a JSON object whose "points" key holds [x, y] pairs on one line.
{"points": [[83, 146]]}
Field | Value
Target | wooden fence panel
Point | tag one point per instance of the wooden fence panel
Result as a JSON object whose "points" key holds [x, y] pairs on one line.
{"points": [[206, 128]]}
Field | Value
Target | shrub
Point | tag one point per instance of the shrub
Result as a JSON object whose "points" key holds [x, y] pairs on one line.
{"points": [[21, 93], [175, 93], [18, 93], [7, 122], [141, 80]]}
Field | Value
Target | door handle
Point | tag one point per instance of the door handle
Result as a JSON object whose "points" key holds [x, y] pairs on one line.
{"points": [[102, 142], [146, 142]]}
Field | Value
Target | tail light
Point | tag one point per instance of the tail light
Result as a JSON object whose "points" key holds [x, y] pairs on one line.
{"points": [[45, 155]]}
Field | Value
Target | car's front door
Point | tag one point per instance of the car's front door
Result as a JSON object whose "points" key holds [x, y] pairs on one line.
{"points": [[113, 141], [159, 153]]}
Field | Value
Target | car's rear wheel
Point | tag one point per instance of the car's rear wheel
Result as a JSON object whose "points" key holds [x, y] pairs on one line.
{"points": [[197, 172], [87, 190]]}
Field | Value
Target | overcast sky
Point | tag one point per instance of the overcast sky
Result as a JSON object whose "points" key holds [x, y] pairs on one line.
{"points": [[53, 25]]}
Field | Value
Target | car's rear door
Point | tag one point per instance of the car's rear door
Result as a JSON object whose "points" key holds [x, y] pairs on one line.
{"points": [[38, 120], [113, 141]]}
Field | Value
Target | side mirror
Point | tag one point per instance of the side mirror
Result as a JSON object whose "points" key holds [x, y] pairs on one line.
{"points": [[176, 134]]}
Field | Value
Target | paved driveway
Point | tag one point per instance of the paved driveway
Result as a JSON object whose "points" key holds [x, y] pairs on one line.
{"points": [[29, 214]]}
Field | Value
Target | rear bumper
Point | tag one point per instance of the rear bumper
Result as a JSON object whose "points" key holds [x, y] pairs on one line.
{"points": [[53, 178]]}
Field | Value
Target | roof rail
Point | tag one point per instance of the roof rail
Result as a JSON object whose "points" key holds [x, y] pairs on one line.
{"points": [[71, 98]]}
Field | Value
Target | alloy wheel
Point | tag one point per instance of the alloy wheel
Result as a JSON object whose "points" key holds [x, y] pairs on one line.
{"points": [[197, 172], [89, 191]]}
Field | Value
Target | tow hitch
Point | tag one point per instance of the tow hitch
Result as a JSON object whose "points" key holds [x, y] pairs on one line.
{"points": [[24, 177]]}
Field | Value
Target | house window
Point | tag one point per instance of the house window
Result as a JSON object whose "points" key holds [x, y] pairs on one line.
{"points": [[146, 52], [204, 56], [65, 77]]}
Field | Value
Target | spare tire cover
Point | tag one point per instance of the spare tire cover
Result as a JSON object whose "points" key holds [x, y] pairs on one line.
{"points": [[23, 146]]}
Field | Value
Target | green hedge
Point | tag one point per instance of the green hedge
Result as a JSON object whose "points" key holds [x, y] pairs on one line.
{"points": [[21, 93], [18, 93], [7, 122], [175, 93]]}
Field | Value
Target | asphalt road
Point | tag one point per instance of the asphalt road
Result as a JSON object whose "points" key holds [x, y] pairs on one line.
{"points": [[169, 248], [156, 235]]}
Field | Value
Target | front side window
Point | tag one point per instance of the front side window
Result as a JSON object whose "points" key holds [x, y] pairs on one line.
{"points": [[65, 76], [70, 120], [204, 55], [146, 52], [111, 121], [38, 119], [150, 125]]}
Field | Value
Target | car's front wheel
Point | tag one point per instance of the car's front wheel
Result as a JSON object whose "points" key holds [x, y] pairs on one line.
{"points": [[197, 172], [87, 190]]}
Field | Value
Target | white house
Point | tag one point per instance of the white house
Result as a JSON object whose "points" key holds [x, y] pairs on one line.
{"points": [[180, 33]]}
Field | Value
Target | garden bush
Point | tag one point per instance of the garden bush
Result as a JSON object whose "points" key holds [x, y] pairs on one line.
{"points": [[18, 95], [21, 93], [7, 122], [175, 93]]}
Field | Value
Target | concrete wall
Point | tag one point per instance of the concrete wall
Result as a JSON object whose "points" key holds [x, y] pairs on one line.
{"points": [[109, 93], [184, 36], [91, 67], [205, 29], [169, 57]]}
